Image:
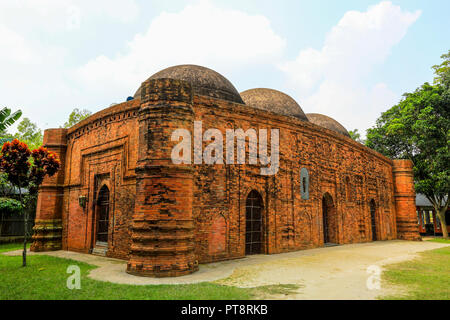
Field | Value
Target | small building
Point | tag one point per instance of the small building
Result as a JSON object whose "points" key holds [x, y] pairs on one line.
{"points": [[121, 194], [429, 223]]}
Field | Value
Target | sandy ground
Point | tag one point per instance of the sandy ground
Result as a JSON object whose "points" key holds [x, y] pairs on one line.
{"points": [[324, 273]]}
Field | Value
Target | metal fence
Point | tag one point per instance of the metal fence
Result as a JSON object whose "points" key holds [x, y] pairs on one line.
{"points": [[12, 225]]}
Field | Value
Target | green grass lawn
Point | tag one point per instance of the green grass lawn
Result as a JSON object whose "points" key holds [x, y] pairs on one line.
{"points": [[425, 278], [45, 278], [440, 240], [12, 246]]}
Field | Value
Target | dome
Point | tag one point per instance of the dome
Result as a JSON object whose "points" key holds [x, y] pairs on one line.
{"points": [[204, 81], [327, 122], [274, 101]]}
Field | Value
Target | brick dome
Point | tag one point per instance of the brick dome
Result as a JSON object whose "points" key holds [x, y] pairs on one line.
{"points": [[204, 81], [274, 101], [327, 122]]}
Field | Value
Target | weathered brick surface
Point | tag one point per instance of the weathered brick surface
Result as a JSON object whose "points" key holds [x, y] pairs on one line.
{"points": [[48, 225], [163, 226], [166, 218], [405, 200]]}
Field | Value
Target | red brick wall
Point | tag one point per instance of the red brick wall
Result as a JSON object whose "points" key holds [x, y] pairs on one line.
{"points": [[127, 148], [102, 150], [291, 223]]}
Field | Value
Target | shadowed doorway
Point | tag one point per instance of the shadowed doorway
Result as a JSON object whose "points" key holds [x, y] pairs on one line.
{"points": [[329, 220], [373, 210], [102, 217], [253, 223]]}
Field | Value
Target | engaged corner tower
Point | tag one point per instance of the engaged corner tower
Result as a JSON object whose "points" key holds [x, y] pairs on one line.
{"points": [[163, 227], [405, 200], [48, 224]]}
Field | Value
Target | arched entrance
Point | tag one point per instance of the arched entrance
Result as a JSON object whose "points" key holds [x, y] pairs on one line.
{"points": [[102, 217], [329, 220], [373, 221], [253, 223]]}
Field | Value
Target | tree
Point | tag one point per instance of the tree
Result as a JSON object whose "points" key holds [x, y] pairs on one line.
{"points": [[29, 133], [27, 169], [7, 119], [5, 186], [442, 70], [76, 116], [418, 128], [355, 135]]}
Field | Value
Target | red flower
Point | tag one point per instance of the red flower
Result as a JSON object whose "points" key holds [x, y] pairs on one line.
{"points": [[14, 161]]}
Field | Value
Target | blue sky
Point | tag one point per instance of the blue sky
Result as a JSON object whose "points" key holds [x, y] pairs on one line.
{"points": [[349, 59]]}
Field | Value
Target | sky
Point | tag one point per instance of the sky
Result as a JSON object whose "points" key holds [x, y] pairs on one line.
{"points": [[348, 59]]}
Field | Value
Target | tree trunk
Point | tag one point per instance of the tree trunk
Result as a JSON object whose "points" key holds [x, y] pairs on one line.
{"points": [[441, 215]]}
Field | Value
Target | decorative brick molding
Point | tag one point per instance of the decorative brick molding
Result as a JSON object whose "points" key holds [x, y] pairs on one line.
{"points": [[47, 235]]}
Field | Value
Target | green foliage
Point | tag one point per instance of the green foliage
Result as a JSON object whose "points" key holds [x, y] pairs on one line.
{"points": [[442, 71], [4, 139], [9, 205], [20, 172], [5, 186], [76, 116], [418, 128], [355, 135], [29, 133], [7, 119]]}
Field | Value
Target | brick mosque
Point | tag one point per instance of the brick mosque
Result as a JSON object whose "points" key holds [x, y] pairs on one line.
{"points": [[119, 193]]}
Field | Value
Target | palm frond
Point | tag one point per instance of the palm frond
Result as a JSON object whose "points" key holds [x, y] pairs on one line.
{"points": [[4, 113], [10, 119]]}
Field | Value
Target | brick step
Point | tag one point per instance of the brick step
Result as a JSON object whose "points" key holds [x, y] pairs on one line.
{"points": [[100, 251]]}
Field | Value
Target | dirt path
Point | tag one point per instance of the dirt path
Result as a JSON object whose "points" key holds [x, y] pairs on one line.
{"points": [[322, 273]]}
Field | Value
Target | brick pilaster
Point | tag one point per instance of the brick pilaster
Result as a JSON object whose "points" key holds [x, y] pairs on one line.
{"points": [[405, 200], [48, 225], [163, 226]]}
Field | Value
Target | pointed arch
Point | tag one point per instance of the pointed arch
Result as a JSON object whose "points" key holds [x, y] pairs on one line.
{"points": [[373, 219], [254, 223], [329, 220], [102, 215]]}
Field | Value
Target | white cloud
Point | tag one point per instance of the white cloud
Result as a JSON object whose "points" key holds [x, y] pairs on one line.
{"points": [[202, 33], [44, 77], [34, 59], [331, 80]]}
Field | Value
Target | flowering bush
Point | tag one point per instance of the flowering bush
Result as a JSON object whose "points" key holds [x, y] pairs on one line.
{"points": [[26, 168], [44, 163], [14, 161]]}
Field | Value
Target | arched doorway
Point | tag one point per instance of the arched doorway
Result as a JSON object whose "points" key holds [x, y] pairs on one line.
{"points": [[253, 223], [373, 221], [329, 220], [102, 217]]}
